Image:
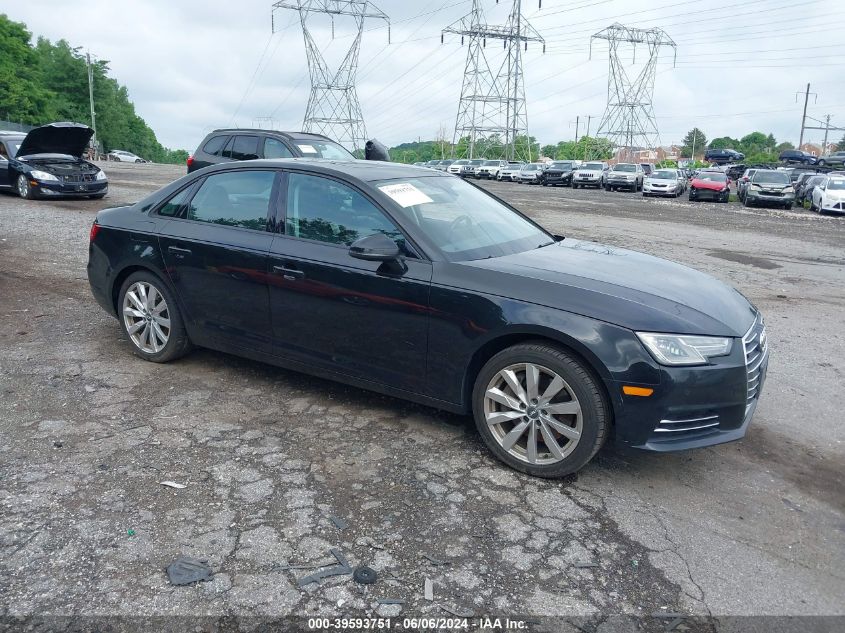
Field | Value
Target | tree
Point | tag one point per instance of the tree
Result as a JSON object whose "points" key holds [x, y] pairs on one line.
{"points": [[724, 142], [23, 96], [549, 151], [840, 146], [784, 146], [694, 141]]}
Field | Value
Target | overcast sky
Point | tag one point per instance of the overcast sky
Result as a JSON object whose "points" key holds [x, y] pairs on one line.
{"points": [[191, 66]]}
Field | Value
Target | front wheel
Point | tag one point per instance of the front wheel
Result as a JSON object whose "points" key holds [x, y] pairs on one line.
{"points": [[540, 410], [24, 190], [150, 318], [822, 163]]}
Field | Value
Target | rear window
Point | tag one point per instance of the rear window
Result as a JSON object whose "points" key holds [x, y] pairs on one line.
{"points": [[214, 145]]}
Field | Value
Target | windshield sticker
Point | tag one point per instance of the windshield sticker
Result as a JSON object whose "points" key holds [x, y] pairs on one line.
{"points": [[405, 194], [307, 149]]}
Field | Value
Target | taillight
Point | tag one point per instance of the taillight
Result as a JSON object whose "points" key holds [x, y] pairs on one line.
{"points": [[189, 161], [95, 228]]}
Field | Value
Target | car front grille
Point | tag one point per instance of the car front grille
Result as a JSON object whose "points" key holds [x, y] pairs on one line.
{"points": [[78, 178], [756, 349], [688, 426]]}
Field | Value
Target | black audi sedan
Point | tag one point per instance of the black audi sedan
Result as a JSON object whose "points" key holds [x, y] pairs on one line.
{"points": [[47, 162], [416, 284]]}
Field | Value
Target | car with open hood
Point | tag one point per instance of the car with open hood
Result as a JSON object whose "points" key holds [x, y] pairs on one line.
{"points": [[413, 283], [47, 162], [710, 184]]}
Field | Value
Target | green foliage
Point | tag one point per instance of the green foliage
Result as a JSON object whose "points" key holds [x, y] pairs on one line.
{"points": [[724, 142], [490, 147], [695, 139], [784, 146], [49, 82], [667, 164]]}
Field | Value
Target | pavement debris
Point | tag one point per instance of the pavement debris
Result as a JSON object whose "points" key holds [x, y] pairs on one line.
{"points": [[341, 569], [339, 523], [364, 575], [428, 591], [173, 484], [435, 561], [186, 570], [457, 612], [390, 601]]}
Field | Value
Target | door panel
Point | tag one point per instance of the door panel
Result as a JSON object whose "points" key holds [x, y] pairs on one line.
{"points": [[364, 319]]}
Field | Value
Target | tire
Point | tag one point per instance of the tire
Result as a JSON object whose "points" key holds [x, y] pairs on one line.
{"points": [[579, 384], [574, 186], [177, 343], [545, 184], [607, 187], [788, 207], [822, 163], [24, 189], [138, 160], [746, 202]]}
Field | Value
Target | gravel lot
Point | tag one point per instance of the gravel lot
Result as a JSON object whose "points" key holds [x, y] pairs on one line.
{"points": [[87, 432]]}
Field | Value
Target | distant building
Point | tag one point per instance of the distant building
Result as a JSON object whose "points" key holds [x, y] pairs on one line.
{"points": [[811, 148]]}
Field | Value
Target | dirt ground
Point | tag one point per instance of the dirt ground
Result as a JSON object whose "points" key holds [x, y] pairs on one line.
{"points": [[280, 468]]}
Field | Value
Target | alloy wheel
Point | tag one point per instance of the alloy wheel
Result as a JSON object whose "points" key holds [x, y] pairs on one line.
{"points": [[23, 186], [533, 413], [146, 317]]}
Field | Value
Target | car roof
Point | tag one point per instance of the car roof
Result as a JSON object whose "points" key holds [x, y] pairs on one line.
{"points": [[366, 170], [288, 135]]}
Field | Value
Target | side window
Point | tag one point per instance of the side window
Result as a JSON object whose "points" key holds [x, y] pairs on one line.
{"points": [[328, 211], [238, 198], [172, 206], [214, 145], [3, 154], [274, 148], [245, 148], [227, 152]]}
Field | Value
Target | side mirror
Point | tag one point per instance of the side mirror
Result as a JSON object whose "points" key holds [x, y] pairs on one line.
{"points": [[375, 248]]}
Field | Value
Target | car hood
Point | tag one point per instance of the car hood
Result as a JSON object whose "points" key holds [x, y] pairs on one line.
{"points": [[708, 184], [56, 138], [616, 285]]}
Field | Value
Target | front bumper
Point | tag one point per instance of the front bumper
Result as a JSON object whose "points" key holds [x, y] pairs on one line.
{"points": [[661, 191], [708, 194], [587, 180], [50, 188], [529, 179], [833, 207], [693, 407], [621, 182], [759, 196], [558, 179]]}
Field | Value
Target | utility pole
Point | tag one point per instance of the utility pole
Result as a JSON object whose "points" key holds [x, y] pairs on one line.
{"points": [[827, 128], [804, 116], [587, 135], [577, 120], [91, 100]]}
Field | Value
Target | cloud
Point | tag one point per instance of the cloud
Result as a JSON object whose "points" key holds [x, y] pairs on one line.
{"points": [[189, 66]]}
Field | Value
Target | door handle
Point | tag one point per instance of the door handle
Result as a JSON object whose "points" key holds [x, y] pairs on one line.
{"points": [[179, 252], [291, 274]]}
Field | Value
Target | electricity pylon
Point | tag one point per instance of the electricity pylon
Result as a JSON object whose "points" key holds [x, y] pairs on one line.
{"points": [[333, 108], [492, 111], [629, 120]]}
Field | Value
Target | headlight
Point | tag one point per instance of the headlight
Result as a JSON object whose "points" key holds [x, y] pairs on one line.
{"points": [[789, 190], [674, 349], [101, 175], [42, 175]]}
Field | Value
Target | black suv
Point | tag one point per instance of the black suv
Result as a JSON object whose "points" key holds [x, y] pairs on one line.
{"points": [[797, 156], [222, 146], [723, 156]]}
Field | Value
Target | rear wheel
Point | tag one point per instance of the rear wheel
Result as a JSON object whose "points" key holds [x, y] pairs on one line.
{"points": [[24, 189], [822, 163], [150, 318], [540, 410]]}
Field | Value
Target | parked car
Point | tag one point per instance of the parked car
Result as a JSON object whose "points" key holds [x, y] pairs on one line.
{"points": [[510, 172], [122, 156], [710, 184], [734, 172], [530, 174], [769, 187], [721, 156], [829, 195], [742, 183], [591, 174], [490, 169], [443, 165], [836, 158], [47, 162], [227, 145], [457, 165], [432, 164], [470, 169], [648, 168], [624, 175], [663, 182], [804, 186], [682, 179], [411, 283], [797, 156], [558, 172]]}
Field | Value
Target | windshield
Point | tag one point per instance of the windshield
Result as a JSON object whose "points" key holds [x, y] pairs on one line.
{"points": [[663, 174], [463, 221], [562, 165], [771, 176], [491, 163], [713, 176], [531, 168], [322, 149], [625, 168], [476, 162], [595, 166], [462, 161], [836, 184]]}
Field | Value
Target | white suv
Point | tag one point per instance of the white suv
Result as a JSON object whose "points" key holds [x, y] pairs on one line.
{"points": [[510, 171], [455, 168], [490, 169], [589, 174]]}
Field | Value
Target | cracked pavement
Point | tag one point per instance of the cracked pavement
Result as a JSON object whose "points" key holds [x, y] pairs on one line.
{"points": [[269, 457]]}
